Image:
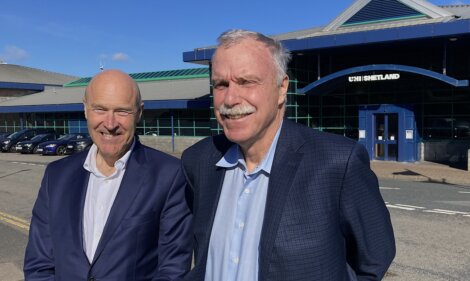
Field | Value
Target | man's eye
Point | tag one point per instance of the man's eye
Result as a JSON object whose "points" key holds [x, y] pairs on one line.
{"points": [[220, 85], [246, 83], [123, 113], [99, 110]]}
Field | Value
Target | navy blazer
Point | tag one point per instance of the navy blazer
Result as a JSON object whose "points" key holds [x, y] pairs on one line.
{"points": [[323, 211], [147, 235]]}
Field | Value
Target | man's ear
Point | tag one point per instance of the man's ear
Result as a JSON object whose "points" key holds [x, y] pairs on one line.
{"points": [[141, 110], [84, 108], [283, 90]]}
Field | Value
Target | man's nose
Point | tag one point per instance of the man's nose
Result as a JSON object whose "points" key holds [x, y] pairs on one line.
{"points": [[232, 96], [110, 121]]}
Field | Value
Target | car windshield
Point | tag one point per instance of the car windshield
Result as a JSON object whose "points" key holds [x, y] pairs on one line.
{"points": [[16, 134], [67, 137], [39, 137]]}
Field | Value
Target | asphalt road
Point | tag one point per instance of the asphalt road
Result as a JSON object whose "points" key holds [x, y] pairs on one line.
{"points": [[432, 225], [431, 222]]}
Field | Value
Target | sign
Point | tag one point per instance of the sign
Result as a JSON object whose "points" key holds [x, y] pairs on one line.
{"points": [[374, 77], [362, 134], [409, 134]]}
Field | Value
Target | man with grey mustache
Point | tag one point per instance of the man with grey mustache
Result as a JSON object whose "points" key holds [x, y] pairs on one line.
{"points": [[272, 199]]}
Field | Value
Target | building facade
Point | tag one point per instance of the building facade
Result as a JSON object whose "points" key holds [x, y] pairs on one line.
{"points": [[392, 74]]}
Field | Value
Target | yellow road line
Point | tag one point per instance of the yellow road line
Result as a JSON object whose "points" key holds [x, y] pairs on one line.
{"points": [[16, 221]]}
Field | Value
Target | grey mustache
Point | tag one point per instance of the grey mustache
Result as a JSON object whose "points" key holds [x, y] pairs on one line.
{"points": [[236, 110]]}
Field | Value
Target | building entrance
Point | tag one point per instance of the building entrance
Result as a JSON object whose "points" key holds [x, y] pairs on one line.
{"points": [[386, 136], [388, 131]]}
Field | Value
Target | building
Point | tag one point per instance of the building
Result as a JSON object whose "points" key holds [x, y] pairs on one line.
{"points": [[392, 74], [176, 103]]}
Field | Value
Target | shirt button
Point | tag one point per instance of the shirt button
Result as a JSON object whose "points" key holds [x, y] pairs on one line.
{"points": [[236, 260], [241, 225], [247, 190]]}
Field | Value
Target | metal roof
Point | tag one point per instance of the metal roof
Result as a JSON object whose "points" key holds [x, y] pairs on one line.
{"points": [[11, 73], [439, 21], [163, 90], [155, 76]]}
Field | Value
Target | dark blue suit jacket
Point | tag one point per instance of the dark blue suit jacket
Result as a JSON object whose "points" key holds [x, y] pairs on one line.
{"points": [[323, 210], [147, 235]]}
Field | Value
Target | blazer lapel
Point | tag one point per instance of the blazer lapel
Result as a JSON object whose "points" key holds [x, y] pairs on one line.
{"points": [[130, 185], [76, 201], [286, 160], [211, 186]]}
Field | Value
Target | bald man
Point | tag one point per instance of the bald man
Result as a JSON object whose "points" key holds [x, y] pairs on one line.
{"points": [[117, 211]]}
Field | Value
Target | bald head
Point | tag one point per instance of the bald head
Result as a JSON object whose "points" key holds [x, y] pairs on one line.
{"points": [[111, 80]]}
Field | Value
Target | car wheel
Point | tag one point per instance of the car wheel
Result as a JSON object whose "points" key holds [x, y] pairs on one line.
{"points": [[35, 150], [60, 150], [12, 149]]}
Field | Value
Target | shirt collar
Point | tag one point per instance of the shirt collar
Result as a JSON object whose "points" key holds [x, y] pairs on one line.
{"points": [[90, 161], [234, 157]]}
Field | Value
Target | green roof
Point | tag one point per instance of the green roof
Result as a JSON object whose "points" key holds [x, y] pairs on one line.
{"points": [[154, 76]]}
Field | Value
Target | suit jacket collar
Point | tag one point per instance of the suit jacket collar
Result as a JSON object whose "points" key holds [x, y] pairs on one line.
{"points": [[130, 185], [211, 186], [286, 161]]}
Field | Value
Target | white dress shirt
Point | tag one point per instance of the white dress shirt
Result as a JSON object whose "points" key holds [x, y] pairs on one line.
{"points": [[100, 195]]}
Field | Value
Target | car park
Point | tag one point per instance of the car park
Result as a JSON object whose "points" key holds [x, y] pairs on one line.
{"points": [[30, 146], [9, 143], [59, 146], [75, 146]]}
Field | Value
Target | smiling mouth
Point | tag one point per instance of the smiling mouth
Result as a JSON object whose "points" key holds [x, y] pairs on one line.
{"points": [[235, 116], [109, 135]]}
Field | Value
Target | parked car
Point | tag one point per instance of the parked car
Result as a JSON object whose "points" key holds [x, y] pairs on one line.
{"points": [[30, 146], [75, 146], [4, 135], [9, 143], [58, 146]]}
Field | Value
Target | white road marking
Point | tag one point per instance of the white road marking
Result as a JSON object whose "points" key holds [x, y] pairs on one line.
{"points": [[423, 209], [439, 212], [400, 207], [389, 188], [464, 192], [456, 212], [410, 206]]}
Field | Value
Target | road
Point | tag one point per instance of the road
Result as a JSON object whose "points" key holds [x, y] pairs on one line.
{"points": [[431, 223]]}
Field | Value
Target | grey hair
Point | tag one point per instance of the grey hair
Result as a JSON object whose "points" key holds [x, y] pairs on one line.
{"points": [[281, 56]]}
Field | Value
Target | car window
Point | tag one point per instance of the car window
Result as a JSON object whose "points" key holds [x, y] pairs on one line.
{"points": [[39, 137]]}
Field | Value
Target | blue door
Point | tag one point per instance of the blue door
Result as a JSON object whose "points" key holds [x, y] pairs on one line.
{"points": [[386, 136], [388, 132]]}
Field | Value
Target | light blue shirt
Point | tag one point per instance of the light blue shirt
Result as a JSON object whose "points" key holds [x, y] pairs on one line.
{"points": [[235, 236]]}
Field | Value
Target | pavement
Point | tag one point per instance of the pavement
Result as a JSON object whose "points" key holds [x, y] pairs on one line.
{"points": [[422, 171]]}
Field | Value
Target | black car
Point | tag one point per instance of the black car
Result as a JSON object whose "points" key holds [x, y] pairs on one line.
{"points": [[74, 146], [4, 135], [9, 143], [58, 146], [30, 146]]}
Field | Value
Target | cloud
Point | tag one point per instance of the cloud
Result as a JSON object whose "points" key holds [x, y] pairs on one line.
{"points": [[12, 53], [120, 57]]}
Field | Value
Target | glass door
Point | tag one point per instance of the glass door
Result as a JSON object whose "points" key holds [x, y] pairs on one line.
{"points": [[386, 136]]}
